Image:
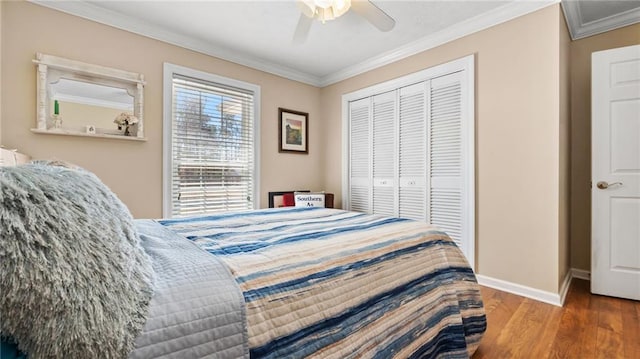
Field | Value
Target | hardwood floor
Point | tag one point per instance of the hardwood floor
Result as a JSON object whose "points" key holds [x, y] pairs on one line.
{"points": [[588, 326]]}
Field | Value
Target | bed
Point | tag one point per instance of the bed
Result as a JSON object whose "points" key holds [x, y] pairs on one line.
{"points": [[302, 282]]}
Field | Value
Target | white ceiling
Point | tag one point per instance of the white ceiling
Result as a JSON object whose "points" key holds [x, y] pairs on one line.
{"points": [[586, 18], [259, 33]]}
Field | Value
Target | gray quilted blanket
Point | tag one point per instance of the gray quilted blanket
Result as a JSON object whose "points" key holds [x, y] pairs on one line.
{"points": [[197, 310]]}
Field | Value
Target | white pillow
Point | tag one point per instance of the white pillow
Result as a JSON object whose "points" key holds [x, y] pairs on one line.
{"points": [[307, 199]]}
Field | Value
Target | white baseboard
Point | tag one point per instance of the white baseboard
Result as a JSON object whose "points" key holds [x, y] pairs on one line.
{"points": [[564, 288], [521, 290], [580, 274], [556, 299]]}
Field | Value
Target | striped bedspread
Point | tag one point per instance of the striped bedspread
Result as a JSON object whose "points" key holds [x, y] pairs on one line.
{"points": [[334, 284]]}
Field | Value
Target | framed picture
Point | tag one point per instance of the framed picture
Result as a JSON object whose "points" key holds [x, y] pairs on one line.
{"points": [[293, 134]]}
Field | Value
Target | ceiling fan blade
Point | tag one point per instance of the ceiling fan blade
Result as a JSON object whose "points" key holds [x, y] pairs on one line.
{"points": [[374, 15], [302, 29]]}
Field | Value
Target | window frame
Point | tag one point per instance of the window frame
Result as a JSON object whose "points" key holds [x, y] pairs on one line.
{"points": [[167, 126]]}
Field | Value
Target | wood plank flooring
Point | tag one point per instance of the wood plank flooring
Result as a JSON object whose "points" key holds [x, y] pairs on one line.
{"points": [[588, 326]]}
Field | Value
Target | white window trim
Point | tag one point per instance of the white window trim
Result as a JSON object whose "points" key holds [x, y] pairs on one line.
{"points": [[466, 64], [169, 71]]}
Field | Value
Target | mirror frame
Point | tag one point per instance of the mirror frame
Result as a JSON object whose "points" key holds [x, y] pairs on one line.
{"points": [[51, 68]]}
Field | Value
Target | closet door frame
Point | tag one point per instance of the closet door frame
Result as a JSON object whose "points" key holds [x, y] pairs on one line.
{"points": [[466, 65]]}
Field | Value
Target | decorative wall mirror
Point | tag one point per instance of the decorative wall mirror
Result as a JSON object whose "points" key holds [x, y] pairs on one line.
{"points": [[80, 99]]}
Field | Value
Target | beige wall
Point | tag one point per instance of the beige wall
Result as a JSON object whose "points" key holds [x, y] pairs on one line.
{"points": [[134, 169], [517, 142], [581, 135], [564, 200]]}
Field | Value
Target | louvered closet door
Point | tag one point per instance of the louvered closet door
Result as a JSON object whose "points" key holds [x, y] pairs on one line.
{"points": [[412, 139], [360, 158], [446, 155], [384, 153], [412, 150]]}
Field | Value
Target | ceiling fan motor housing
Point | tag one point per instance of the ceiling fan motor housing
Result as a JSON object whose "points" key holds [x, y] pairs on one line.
{"points": [[324, 10]]}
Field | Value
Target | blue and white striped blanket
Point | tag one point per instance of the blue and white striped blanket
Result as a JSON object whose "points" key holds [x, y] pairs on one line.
{"points": [[336, 284]]}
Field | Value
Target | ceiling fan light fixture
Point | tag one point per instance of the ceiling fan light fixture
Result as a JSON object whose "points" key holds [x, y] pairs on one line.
{"points": [[324, 10]]}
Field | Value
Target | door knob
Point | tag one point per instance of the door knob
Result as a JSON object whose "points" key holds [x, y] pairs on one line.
{"points": [[605, 185]]}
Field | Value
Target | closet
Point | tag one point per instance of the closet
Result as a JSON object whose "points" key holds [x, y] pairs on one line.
{"points": [[409, 149]]}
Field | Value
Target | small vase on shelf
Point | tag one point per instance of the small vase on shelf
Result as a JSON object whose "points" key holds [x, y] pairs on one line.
{"points": [[125, 121], [57, 121]]}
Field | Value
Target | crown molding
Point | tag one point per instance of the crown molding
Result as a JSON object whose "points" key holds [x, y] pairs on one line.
{"points": [[579, 29], [95, 13], [497, 16], [486, 20]]}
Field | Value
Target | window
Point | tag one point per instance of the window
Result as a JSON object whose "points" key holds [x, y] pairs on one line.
{"points": [[210, 142]]}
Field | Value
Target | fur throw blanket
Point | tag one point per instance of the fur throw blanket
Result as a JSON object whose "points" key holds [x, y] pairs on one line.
{"points": [[74, 280]]}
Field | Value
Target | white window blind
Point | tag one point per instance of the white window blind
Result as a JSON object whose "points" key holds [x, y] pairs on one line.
{"points": [[212, 147]]}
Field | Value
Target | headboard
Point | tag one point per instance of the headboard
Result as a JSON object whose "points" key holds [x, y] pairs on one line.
{"points": [[12, 157]]}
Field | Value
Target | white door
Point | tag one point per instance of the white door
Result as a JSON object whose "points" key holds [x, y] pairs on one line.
{"points": [[450, 134], [615, 193], [360, 157], [409, 146], [384, 154], [412, 152]]}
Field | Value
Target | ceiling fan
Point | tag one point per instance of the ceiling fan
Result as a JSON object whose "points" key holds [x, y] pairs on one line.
{"points": [[325, 10]]}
